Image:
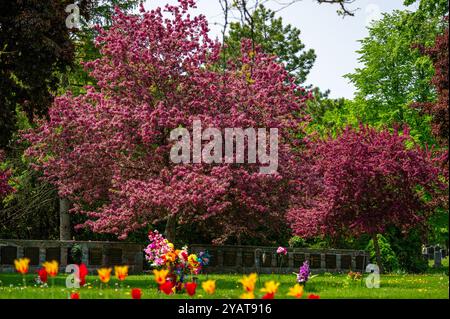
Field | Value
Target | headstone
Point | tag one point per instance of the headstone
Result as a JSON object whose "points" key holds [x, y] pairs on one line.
{"points": [[437, 258], [430, 253]]}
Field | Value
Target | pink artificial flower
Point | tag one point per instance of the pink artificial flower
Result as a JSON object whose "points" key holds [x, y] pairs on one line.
{"points": [[282, 251]]}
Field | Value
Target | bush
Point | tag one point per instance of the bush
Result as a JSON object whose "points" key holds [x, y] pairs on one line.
{"points": [[388, 257], [408, 250], [297, 242]]}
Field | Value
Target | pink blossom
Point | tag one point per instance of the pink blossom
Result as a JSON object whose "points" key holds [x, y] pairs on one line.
{"points": [[282, 251], [108, 150]]}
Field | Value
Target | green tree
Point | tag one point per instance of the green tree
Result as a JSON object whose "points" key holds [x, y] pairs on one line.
{"points": [[394, 73], [93, 12], [269, 32], [35, 45]]}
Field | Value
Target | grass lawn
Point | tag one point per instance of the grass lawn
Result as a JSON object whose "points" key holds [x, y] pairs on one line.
{"points": [[434, 285]]}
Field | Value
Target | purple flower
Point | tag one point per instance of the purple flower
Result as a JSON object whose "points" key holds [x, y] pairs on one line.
{"points": [[282, 251], [303, 273]]}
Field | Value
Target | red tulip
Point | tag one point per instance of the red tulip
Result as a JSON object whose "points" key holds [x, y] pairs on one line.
{"points": [[190, 288], [83, 272], [136, 293], [268, 296], [42, 273], [167, 287], [313, 296], [75, 295]]}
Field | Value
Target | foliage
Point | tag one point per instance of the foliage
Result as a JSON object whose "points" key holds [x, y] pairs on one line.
{"points": [[274, 38], [332, 116], [31, 211], [388, 256], [438, 109], [408, 249], [5, 174], [395, 73], [93, 12], [296, 242], [126, 121], [363, 181], [76, 254], [34, 46]]}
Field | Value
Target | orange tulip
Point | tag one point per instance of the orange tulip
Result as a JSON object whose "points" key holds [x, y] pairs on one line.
{"points": [[22, 265], [51, 268], [121, 272], [104, 274]]}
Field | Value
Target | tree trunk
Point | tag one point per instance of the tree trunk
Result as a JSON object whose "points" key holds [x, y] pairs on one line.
{"points": [[377, 252], [64, 219], [170, 231]]}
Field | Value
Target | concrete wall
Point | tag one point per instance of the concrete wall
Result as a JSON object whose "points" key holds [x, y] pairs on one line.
{"points": [[224, 259], [245, 259]]}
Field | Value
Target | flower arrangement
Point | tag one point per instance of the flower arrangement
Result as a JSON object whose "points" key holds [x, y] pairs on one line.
{"points": [[173, 264]]}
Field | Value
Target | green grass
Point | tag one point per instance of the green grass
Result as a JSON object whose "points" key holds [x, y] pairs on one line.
{"points": [[326, 285]]}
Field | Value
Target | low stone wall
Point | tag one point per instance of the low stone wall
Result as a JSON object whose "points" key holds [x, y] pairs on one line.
{"points": [[94, 254], [224, 259], [244, 259]]}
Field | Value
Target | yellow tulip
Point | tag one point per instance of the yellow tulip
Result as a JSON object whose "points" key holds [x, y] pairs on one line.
{"points": [[209, 286], [51, 267], [104, 274], [296, 291], [22, 265], [270, 287], [121, 272], [248, 295], [160, 276], [248, 282]]}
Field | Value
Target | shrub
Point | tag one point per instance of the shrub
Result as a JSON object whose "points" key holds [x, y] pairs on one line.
{"points": [[388, 257]]}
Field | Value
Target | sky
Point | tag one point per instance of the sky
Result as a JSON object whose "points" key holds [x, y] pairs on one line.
{"points": [[334, 38]]}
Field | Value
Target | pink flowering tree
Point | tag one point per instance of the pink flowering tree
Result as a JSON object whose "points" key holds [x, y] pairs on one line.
{"points": [[5, 175], [363, 181], [108, 150]]}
